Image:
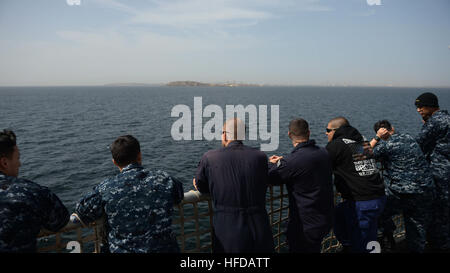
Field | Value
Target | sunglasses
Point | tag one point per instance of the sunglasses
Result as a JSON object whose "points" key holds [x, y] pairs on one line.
{"points": [[329, 130]]}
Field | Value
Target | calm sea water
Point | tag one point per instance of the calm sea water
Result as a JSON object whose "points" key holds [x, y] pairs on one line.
{"points": [[64, 132]]}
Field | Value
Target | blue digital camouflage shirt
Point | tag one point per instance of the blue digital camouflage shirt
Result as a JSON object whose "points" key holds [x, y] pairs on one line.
{"points": [[434, 139], [25, 208], [138, 204], [406, 169]]}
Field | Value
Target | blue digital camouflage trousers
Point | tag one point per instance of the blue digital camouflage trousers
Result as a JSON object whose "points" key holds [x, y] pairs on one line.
{"points": [[440, 227], [416, 209]]}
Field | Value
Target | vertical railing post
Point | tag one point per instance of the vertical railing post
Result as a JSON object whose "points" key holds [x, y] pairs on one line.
{"points": [[183, 241], [210, 212], [197, 227], [80, 240]]}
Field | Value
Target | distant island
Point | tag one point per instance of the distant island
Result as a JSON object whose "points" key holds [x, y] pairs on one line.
{"points": [[193, 83]]}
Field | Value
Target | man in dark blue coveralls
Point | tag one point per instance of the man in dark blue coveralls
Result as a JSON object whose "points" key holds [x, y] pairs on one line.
{"points": [[307, 172], [25, 207], [236, 176]]}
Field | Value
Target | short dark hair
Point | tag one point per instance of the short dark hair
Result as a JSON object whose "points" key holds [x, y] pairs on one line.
{"points": [[382, 124], [299, 128], [125, 150], [7, 143]]}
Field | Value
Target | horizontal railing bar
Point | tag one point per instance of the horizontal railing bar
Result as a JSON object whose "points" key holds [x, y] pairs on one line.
{"points": [[284, 197], [193, 234], [280, 221], [277, 210], [189, 197], [70, 227], [191, 218], [195, 250]]}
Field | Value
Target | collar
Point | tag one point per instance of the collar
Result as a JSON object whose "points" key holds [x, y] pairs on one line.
{"points": [[439, 112], [132, 166], [235, 143], [436, 114], [310, 142]]}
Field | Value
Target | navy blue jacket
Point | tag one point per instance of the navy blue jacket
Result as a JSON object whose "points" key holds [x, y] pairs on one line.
{"points": [[307, 173], [236, 176]]}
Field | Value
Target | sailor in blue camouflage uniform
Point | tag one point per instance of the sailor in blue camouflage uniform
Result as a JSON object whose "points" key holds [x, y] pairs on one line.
{"points": [[434, 139], [409, 183], [25, 207], [138, 203]]}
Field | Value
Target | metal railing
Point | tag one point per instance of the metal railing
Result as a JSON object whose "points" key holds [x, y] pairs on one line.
{"points": [[194, 227], [192, 223], [85, 237]]}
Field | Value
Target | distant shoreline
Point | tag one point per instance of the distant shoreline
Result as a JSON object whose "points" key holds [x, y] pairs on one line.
{"points": [[201, 84], [175, 84]]}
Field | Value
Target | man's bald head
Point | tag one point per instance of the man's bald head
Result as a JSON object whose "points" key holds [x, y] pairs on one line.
{"points": [[338, 122], [335, 124], [234, 129]]}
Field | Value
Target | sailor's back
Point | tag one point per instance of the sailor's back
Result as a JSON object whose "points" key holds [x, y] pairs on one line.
{"points": [[236, 176]]}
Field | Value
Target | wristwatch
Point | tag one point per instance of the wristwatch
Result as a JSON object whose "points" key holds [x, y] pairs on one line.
{"points": [[377, 138]]}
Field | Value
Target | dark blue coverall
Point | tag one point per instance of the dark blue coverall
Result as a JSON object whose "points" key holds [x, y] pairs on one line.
{"points": [[307, 173], [236, 176]]}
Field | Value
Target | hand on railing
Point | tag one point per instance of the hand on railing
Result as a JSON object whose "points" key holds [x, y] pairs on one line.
{"points": [[194, 196], [75, 219]]}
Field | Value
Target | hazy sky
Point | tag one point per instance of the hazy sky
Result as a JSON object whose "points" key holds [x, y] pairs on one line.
{"points": [[292, 42]]}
